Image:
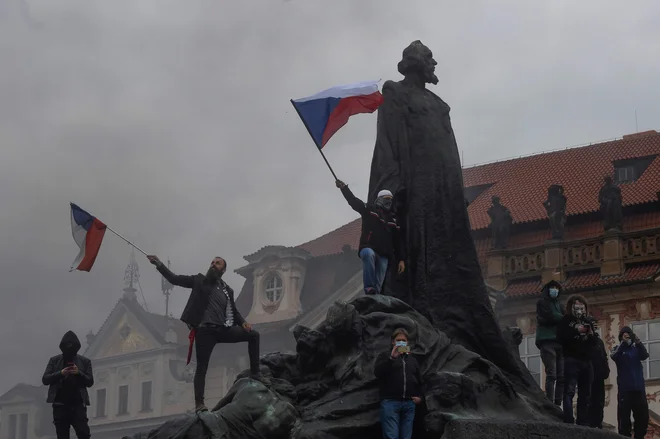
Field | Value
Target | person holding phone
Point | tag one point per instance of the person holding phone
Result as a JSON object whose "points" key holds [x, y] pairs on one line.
{"points": [[400, 380], [68, 376]]}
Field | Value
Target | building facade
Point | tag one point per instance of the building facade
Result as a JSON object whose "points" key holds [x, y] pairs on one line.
{"points": [[139, 357]]}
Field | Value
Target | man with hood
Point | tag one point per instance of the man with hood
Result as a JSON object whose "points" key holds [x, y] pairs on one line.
{"points": [[213, 318], [380, 239], [601, 367], [68, 376], [576, 335], [631, 387], [548, 315]]}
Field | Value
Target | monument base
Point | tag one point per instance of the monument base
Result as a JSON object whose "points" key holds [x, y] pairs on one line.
{"points": [[495, 429]]}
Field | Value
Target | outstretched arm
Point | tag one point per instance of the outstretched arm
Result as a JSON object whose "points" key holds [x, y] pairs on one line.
{"points": [[174, 279], [353, 201]]}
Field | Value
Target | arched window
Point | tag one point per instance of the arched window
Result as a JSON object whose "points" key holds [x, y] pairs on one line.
{"points": [[273, 288]]}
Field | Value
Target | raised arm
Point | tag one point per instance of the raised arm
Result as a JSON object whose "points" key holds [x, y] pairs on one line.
{"points": [[174, 279], [353, 201]]}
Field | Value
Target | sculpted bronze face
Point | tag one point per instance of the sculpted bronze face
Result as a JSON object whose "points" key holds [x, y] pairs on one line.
{"points": [[418, 61]]}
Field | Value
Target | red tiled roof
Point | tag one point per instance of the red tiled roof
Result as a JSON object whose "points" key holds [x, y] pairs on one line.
{"points": [[585, 280], [522, 183], [522, 186]]}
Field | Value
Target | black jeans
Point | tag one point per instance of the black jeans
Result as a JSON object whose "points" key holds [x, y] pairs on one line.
{"points": [[578, 375], [205, 340], [67, 416], [597, 404], [636, 403], [553, 360]]}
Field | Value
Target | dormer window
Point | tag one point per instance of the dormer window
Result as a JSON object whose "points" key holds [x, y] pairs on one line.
{"points": [[625, 174], [274, 288], [630, 170]]}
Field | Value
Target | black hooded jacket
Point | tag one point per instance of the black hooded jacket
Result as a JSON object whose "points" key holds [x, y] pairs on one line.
{"points": [[575, 344], [380, 231], [62, 389], [548, 314]]}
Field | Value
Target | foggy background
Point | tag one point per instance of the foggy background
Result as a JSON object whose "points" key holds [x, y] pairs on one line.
{"points": [[170, 120]]}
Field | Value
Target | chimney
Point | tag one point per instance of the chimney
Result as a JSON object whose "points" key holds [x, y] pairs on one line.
{"points": [[640, 135]]}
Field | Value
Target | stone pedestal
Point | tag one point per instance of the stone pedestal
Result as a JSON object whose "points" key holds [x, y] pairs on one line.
{"points": [[553, 263], [612, 255], [496, 429]]}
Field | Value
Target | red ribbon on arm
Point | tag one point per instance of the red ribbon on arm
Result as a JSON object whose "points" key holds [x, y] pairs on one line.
{"points": [[191, 337]]}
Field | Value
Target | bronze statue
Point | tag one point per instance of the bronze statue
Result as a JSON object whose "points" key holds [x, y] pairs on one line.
{"points": [[611, 205], [555, 206], [417, 159], [500, 223]]}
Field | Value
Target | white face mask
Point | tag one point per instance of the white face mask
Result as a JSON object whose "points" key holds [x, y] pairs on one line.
{"points": [[554, 292], [401, 343], [579, 310]]}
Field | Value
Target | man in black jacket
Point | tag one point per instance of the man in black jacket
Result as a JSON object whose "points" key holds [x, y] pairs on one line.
{"points": [[576, 335], [213, 317], [400, 387], [601, 369], [380, 239], [68, 376], [548, 316]]}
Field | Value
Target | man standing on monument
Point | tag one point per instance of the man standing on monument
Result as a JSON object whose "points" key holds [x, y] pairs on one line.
{"points": [[213, 317], [548, 316], [380, 239], [417, 159]]}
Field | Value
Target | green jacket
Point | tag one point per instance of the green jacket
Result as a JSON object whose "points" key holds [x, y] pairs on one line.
{"points": [[548, 314]]}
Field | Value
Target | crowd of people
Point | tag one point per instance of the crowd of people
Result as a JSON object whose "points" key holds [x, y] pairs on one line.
{"points": [[576, 361]]}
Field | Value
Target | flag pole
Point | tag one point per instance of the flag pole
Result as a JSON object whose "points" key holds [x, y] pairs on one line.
{"points": [[320, 148], [129, 242]]}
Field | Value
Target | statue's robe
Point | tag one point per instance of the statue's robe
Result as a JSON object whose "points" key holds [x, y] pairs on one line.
{"points": [[416, 157]]}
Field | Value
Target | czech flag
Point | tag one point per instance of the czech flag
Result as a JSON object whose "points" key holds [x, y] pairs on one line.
{"points": [[325, 112], [88, 233]]}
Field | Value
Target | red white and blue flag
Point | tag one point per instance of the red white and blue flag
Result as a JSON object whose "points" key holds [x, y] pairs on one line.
{"points": [[88, 233], [326, 112]]}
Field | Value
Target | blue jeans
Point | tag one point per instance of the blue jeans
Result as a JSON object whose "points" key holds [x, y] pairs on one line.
{"points": [[396, 418], [374, 268]]}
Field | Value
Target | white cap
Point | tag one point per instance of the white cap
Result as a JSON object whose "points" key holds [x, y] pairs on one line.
{"points": [[384, 193]]}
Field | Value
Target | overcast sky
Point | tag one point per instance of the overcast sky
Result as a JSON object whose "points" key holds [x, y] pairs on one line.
{"points": [[170, 120]]}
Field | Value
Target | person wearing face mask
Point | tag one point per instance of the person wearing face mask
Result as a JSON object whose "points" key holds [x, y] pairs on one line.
{"points": [[400, 382], [213, 317], [548, 316], [68, 376], [631, 394], [576, 335], [380, 239]]}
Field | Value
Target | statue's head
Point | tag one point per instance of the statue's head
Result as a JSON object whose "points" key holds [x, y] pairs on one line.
{"points": [[418, 60], [495, 199], [608, 180]]}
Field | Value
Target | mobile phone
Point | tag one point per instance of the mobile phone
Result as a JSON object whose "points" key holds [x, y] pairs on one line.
{"points": [[403, 349]]}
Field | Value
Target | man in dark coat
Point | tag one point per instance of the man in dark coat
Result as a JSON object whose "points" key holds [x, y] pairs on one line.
{"points": [[548, 315], [601, 367], [577, 339], [68, 376], [380, 239], [213, 317], [631, 386]]}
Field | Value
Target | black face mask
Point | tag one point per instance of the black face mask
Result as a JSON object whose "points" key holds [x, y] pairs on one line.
{"points": [[384, 203]]}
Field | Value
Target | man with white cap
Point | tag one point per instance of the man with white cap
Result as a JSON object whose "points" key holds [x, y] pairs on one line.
{"points": [[380, 239]]}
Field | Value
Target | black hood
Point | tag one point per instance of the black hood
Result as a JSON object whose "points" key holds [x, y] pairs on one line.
{"points": [[70, 338], [546, 289], [624, 330]]}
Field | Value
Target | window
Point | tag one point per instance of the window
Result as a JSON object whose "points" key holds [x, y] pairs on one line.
{"points": [[122, 408], [625, 174], [23, 426], [146, 396], [12, 427], [273, 288], [100, 403], [649, 333], [530, 355]]}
